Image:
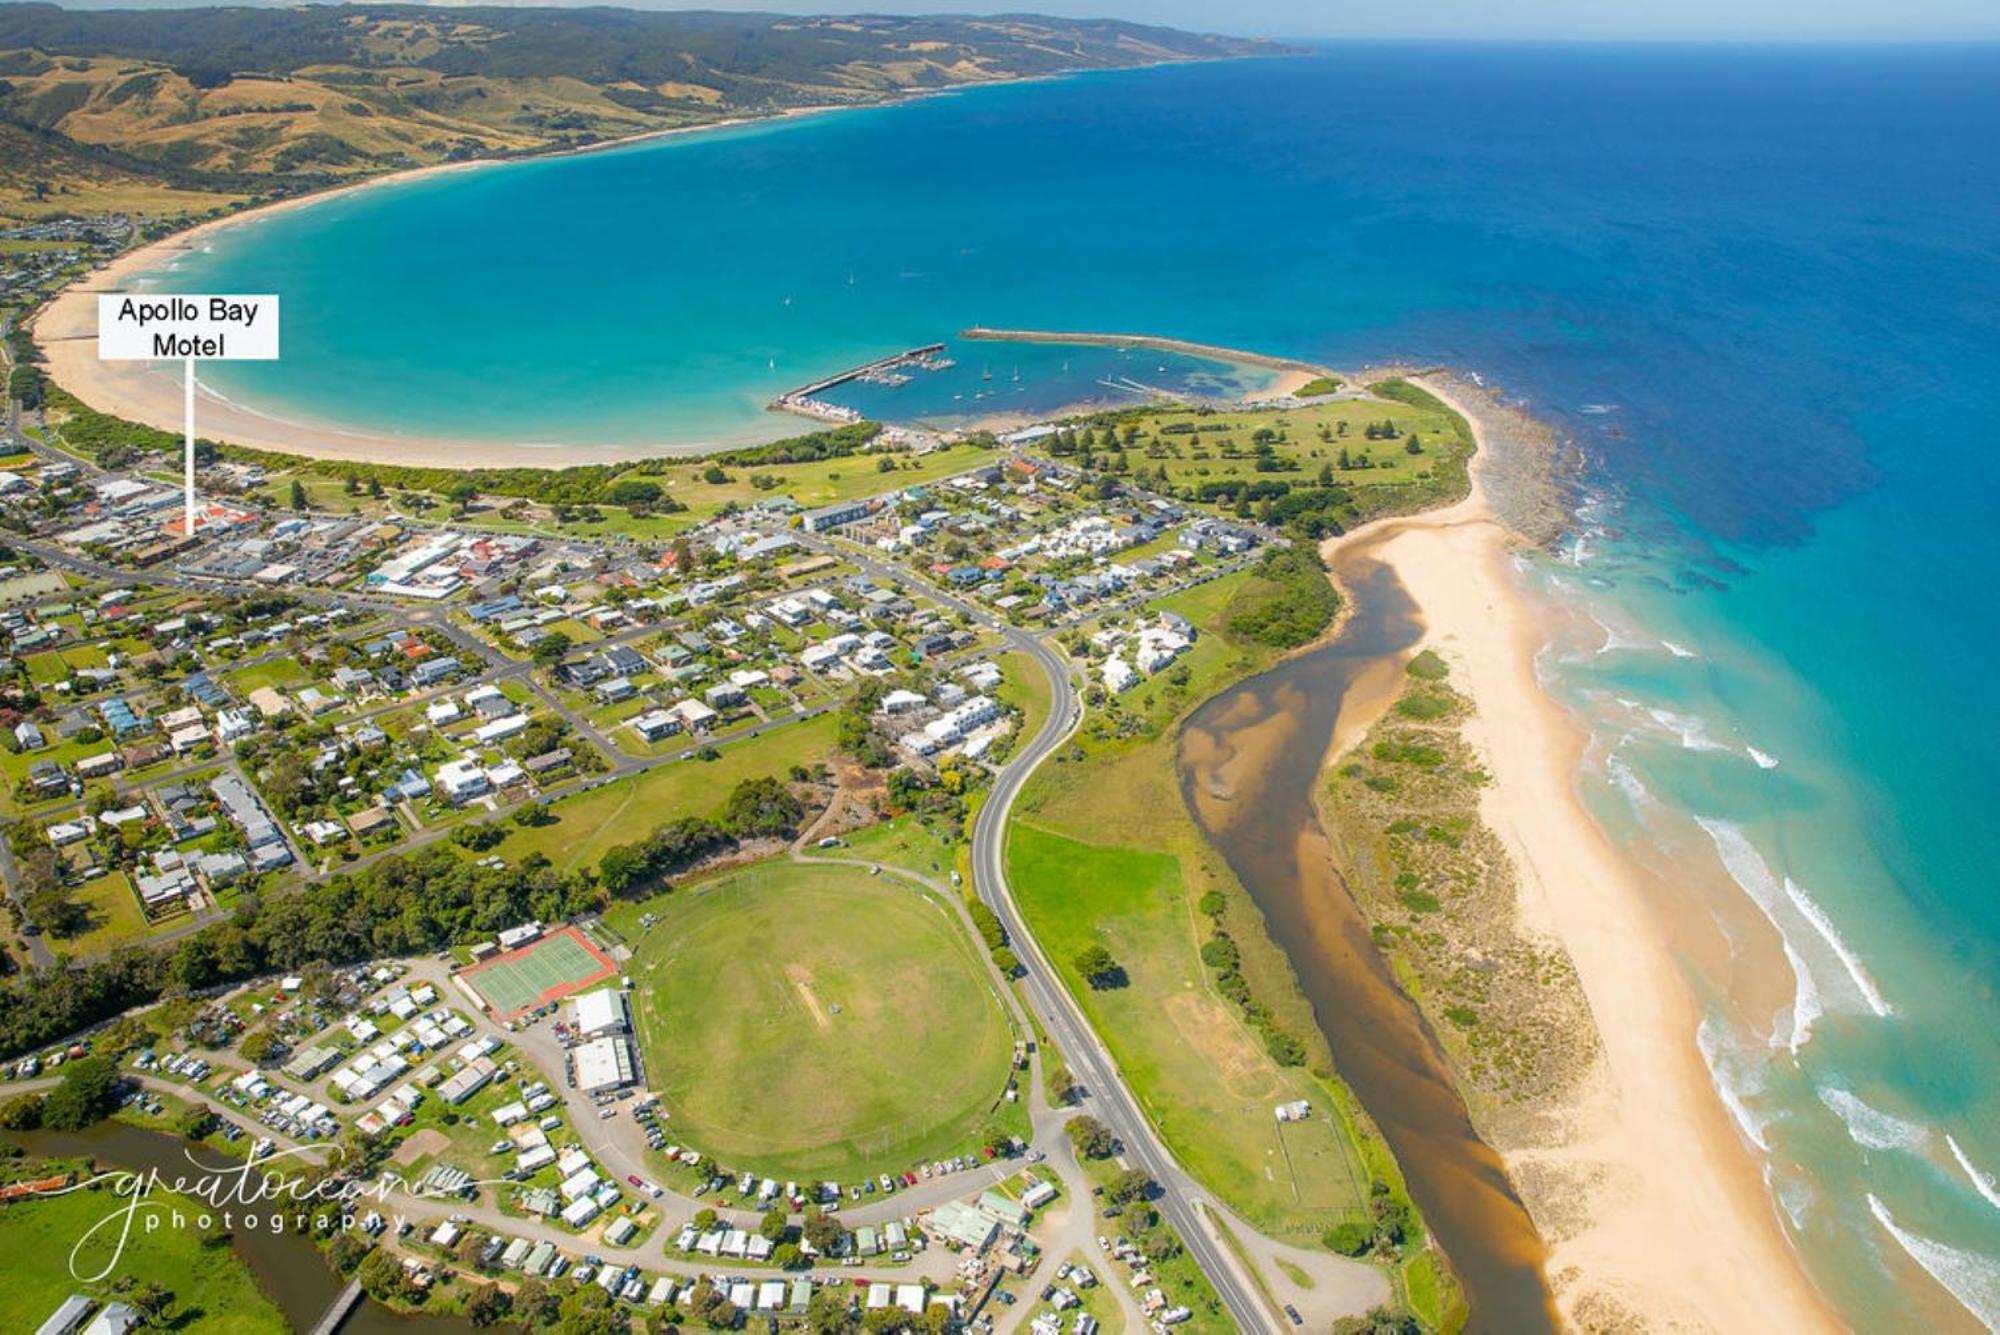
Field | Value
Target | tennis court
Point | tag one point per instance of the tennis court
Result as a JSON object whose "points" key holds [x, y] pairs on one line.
{"points": [[542, 971]]}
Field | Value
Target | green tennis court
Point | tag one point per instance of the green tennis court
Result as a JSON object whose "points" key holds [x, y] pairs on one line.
{"points": [[543, 971]]}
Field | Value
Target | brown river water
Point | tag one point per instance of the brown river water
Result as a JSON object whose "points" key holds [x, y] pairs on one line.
{"points": [[1251, 760]]}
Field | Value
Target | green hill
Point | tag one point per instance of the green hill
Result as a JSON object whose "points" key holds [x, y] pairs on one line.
{"points": [[173, 111]]}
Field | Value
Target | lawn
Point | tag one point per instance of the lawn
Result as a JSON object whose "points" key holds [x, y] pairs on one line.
{"points": [[816, 1022], [1104, 852], [630, 809], [904, 842], [281, 672], [1308, 436], [115, 918], [820, 482], [1199, 1069], [212, 1290]]}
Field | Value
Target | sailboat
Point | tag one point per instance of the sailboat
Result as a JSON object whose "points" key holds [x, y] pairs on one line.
{"points": [[986, 373]]}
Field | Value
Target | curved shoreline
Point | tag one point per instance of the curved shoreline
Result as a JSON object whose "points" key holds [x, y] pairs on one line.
{"points": [[65, 330]]}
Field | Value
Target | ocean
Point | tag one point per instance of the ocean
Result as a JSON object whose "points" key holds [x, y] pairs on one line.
{"points": [[1758, 287]]}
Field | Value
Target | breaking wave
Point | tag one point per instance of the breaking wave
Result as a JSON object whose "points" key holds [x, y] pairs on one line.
{"points": [[1869, 1126], [1982, 1181], [1973, 1280], [1731, 1083], [1810, 910], [1749, 870], [1692, 731]]}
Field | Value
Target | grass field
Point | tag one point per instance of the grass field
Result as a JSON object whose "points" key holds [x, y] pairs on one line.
{"points": [[1310, 435], [212, 1290], [904, 842], [630, 809], [818, 483], [1200, 1070], [816, 1022], [555, 966], [115, 917]]}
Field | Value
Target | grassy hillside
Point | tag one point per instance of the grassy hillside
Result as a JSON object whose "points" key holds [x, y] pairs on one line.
{"points": [[136, 109]]}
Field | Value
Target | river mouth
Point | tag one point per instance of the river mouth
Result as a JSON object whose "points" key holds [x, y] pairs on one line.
{"points": [[287, 1267], [1250, 762]]}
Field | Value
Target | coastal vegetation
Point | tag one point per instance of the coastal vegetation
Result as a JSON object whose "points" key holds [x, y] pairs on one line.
{"points": [[1288, 602], [786, 1009], [179, 114], [1402, 813]]}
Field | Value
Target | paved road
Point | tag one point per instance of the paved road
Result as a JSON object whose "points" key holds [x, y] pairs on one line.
{"points": [[1107, 1098], [1106, 1095]]}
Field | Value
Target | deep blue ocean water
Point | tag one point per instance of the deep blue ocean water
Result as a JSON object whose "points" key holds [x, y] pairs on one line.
{"points": [[1761, 287]]}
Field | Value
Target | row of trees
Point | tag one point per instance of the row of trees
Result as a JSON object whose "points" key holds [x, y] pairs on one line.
{"points": [[755, 808], [403, 905]]}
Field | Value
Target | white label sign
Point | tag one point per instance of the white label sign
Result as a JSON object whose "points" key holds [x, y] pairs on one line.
{"points": [[159, 327]]}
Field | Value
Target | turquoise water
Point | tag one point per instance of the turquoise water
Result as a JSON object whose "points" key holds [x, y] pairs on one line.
{"points": [[998, 381], [1757, 287]]}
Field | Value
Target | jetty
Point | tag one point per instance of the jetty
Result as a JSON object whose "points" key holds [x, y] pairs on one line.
{"points": [[1153, 341], [338, 1310], [886, 370]]}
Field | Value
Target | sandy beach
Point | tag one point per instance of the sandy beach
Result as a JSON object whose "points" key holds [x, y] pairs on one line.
{"points": [[1653, 1210], [66, 330]]}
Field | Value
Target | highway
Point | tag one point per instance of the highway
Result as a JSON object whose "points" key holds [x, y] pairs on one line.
{"points": [[1106, 1096]]}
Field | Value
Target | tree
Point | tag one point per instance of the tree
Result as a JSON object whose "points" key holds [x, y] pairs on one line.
{"points": [[774, 1225], [197, 1122], [1351, 1238], [1098, 967], [1062, 1085], [549, 650], [589, 1311], [488, 1305], [23, 1112], [56, 912], [88, 1094], [634, 493], [1092, 1138], [153, 1301], [534, 1303], [822, 1232], [1131, 1184], [257, 1045], [1394, 1222], [382, 1275], [831, 1312], [1379, 1321]]}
